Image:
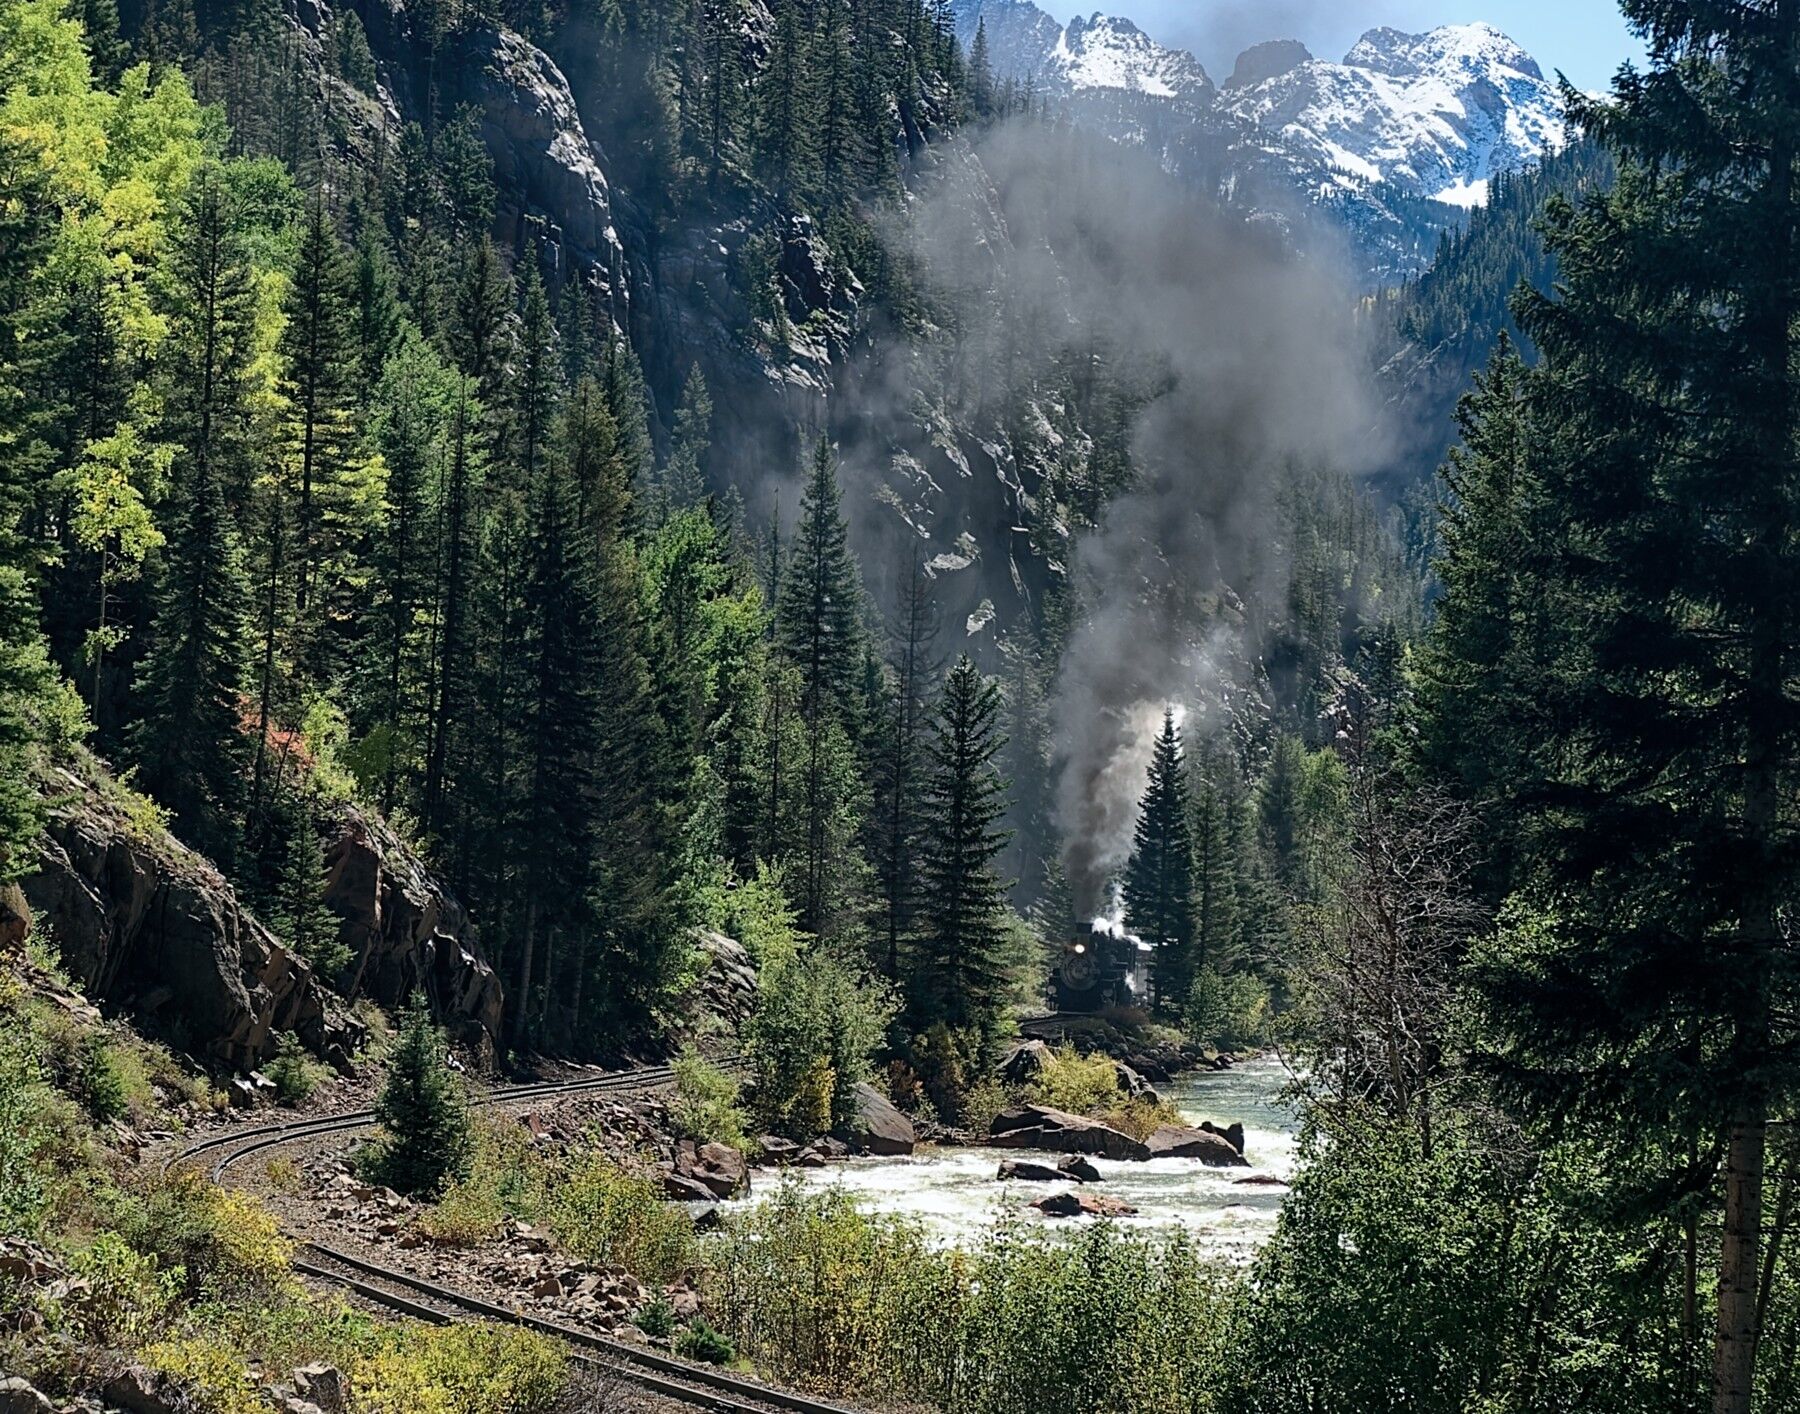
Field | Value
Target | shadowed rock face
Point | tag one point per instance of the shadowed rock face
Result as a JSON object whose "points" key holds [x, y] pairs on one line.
{"points": [[406, 932], [148, 926]]}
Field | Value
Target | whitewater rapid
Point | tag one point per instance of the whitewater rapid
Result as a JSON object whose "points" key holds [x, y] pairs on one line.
{"points": [[955, 1195]]}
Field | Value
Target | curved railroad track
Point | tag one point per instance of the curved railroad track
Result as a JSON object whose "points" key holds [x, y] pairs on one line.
{"points": [[700, 1386]]}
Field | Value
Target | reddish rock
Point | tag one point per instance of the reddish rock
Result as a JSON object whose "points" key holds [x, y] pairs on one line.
{"points": [[1173, 1141], [1083, 1205]]}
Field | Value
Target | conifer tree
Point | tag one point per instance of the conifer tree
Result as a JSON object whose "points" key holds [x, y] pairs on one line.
{"points": [[981, 74], [788, 127], [684, 479], [1027, 764], [480, 338], [317, 344], [1647, 746], [834, 65], [423, 1115], [1159, 876], [537, 381], [377, 315], [898, 818], [1215, 842], [189, 741], [821, 635], [958, 969], [557, 840]]}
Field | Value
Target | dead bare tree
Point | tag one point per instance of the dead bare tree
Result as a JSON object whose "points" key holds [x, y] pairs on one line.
{"points": [[1381, 976]]}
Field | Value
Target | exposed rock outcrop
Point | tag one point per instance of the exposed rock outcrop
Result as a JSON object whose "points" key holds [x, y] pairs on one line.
{"points": [[406, 932], [1041, 1127], [723, 995], [148, 926]]}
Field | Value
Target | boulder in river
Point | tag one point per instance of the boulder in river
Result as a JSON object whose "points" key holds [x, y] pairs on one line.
{"points": [[878, 1128], [1079, 1168], [1174, 1141], [1041, 1127], [1232, 1134], [1024, 1171], [1083, 1205]]}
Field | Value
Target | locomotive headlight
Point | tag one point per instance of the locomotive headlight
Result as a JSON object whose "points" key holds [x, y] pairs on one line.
{"points": [[1081, 947]]}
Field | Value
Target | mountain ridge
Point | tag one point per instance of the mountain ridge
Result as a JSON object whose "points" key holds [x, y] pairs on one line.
{"points": [[1402, 119]]}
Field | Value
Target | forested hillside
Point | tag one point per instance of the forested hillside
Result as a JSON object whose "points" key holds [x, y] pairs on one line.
{"points": [[648, 531], [336, 474]]}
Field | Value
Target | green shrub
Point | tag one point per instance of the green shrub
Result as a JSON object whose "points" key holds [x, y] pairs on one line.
{"points": [[294, 1074], [706, 1106], [505, 1178], [1076, 1083], [701, 1342], [607, 1215], [24, 1183], [838, 1301], [816, 1025], [128, 1294], [1229, 1010], [422, 1111], [220, 1240]]}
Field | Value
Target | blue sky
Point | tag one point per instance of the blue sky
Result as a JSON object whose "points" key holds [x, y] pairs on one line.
{"points": [[1586, 39]]}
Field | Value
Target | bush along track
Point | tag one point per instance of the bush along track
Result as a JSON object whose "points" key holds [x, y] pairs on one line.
{"points": [[665, 1375]]}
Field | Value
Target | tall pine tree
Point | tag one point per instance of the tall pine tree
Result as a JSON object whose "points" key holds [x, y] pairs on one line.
{"points": [[1159, 876], [1647, 747]]}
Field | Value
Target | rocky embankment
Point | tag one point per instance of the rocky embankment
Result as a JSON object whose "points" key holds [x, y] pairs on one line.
{"points": [[152, 929]]}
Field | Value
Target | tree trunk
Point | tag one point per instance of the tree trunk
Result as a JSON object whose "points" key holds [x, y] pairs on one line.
{"points": [[1734, 1359]]}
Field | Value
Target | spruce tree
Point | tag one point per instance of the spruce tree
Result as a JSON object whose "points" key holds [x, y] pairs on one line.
{"points": [[821, 635], [1215, 843], [981, 74], [317, 344], [897, 821], [1646, 732], [958, 968], [189, 742], [1159, 876], [684, 479], [424, 1117], [788, 128]]}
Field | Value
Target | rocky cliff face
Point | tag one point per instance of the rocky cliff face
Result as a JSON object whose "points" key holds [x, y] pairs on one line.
{"points": [[407, 933], [151, 928], [148, 926]]}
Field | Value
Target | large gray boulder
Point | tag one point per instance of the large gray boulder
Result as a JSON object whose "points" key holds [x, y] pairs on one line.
{"points": [[878, 1128], [1042, 1127], [148, 926]]}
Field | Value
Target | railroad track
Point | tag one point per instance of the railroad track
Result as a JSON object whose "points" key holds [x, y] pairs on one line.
{"points": [[695, 1385]]}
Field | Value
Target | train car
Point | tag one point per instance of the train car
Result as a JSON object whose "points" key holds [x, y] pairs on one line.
{"points": [[1106, 967]]}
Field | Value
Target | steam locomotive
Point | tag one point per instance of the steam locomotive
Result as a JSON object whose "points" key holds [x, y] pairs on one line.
{"points": [[1106, 967]]}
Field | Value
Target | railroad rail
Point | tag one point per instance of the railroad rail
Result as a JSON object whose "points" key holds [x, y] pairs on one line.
{"points": [[696, 1385]]}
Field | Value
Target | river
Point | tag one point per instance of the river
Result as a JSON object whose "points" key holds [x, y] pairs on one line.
{"points": [[955, 1194]]}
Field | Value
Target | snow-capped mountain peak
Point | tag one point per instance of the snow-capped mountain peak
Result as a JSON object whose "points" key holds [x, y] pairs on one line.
{"points": [[1435, 114], [1107, 52], [1403, 116]]}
